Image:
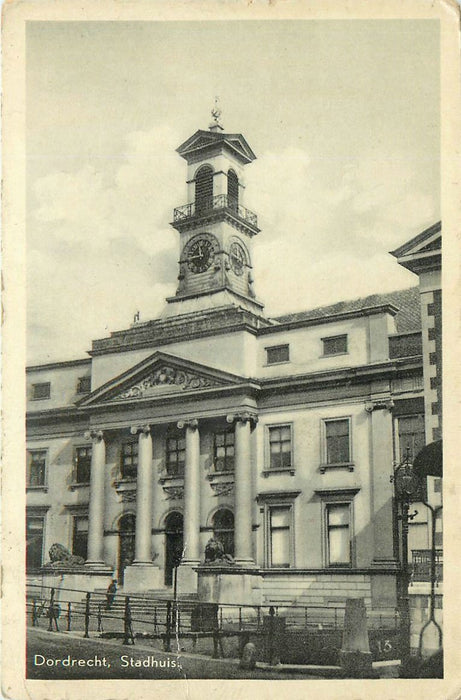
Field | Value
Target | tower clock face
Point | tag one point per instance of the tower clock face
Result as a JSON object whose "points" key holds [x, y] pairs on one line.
{"points": [[237, 258], [200, 253]]}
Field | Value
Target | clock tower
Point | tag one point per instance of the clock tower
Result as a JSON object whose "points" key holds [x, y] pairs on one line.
{"points": [[216, 229]]}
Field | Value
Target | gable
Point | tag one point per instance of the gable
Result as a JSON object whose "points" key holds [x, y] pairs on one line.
{"points": [[159, 375], [236, 143]]}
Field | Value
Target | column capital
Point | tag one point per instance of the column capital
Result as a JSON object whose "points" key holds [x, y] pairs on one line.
{"points": [[243, 417], [93, 435], [192, 423], [379, 405], [140, 429]]}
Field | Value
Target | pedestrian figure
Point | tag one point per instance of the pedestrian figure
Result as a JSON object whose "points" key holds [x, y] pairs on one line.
{"points": [[110, 595]]}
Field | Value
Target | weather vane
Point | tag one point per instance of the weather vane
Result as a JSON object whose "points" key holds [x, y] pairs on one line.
{"points": [[216, 114]]}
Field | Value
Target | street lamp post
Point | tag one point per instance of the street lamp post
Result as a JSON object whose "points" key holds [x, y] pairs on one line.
{"points": [[406, 485]]}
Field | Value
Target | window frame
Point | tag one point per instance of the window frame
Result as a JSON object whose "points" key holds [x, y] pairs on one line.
{"points": [[337, 500], [337, 496], [268, 469], [280, 499], [44, 485], [76, 481], [76, 516], [133, 444], [325, 464], [174, 436], [80, 380], [268, 348], [399, 456], [226, 431], [37, 514], [335, 337], [41, 398]]}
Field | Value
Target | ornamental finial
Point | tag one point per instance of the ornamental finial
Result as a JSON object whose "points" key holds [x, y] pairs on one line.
{"points": [[216, 114]]}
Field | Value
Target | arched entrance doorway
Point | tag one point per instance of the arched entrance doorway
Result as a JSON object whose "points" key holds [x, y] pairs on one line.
{"points": [[126, 536], [174, 525], [223, 529]]}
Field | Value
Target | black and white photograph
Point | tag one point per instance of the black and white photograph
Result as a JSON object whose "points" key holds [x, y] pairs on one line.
{"points": [[233, 284]]}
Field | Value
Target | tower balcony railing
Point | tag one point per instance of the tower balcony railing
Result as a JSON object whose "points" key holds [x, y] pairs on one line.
{"points": [[210, 204]]}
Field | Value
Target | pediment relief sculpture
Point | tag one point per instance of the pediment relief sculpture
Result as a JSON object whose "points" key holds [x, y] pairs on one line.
{"points": [[168, 377]]}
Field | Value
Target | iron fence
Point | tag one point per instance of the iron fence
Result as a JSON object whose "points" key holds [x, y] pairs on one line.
{"points": [[312, 630]]}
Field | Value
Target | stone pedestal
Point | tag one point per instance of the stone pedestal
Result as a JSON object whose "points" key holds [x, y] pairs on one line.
{"points": [[229, 584], [355, 655], [139, 578], [72, 584], [187, 577]]}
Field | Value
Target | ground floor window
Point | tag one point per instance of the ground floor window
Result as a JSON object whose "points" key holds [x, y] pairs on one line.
{"points": [[80, 536], [35, 526], [223, 529], [280, 535], [338, 534]]}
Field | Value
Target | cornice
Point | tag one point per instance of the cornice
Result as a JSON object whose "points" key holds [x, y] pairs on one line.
{"points": [[59, 365]]}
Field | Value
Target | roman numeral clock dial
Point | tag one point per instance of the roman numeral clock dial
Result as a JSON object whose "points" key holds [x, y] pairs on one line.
{"points": [[237, 258], [200, 253]]}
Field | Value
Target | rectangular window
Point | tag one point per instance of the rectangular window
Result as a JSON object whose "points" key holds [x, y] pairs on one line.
{"points": [[82, 464], [278, 353], [280, 536], [280, 447], [337, 441], [129, 465], [83, 385], [411, 435], [34, 542], [338, 534], [335, 345], [41, 391], [224, 450], [175, 455], [36, 468], [80, 536]]}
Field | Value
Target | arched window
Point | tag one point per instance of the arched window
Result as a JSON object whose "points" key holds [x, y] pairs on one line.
{"points": [[204, 189], [173, 544], [232, 189], [223, 529], [126, 534]]}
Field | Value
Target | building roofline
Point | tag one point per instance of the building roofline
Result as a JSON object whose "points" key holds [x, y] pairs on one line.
{"points": [[58, 365]]}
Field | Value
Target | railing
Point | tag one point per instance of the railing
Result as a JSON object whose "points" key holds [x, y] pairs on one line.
{"points": [[209, 204], [129, 618], [421, 565]]}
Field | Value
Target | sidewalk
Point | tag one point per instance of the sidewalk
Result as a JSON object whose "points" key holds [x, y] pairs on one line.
{"points": [[145, 662]]}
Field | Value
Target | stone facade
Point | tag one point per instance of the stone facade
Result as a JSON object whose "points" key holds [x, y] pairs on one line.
{"points": [[277, 436]]}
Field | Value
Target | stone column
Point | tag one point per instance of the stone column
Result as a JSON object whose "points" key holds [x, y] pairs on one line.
{"points": [[142, 575], [143, 546], [383, 587], [243, 488], [187, 577], [95, 555], [241, 583]]}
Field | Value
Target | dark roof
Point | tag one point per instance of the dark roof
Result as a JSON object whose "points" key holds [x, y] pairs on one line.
{"points": [[408, 317]]}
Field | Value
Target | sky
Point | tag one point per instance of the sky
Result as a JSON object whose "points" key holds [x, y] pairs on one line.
{"points": [[342, 115]]}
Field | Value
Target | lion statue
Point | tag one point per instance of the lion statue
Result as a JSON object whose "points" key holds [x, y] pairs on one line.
{"points": [[60, 556], [215, 554]]}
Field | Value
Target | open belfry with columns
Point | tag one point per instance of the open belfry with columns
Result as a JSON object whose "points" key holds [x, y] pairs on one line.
{"points": [[276, 436]]}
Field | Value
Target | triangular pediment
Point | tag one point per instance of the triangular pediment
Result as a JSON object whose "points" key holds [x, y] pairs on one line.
{"points": [[236, 143], [159, 375], [428, 240]]}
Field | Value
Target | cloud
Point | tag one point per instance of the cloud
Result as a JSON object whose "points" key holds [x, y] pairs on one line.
{"points": [[100, 245], [327, 228]]}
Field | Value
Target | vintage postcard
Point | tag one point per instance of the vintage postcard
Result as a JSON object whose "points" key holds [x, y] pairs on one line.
{"points": [[230, 370]]}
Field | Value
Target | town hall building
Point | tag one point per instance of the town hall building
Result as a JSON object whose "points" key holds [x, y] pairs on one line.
{"points": [[276, 436]]}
